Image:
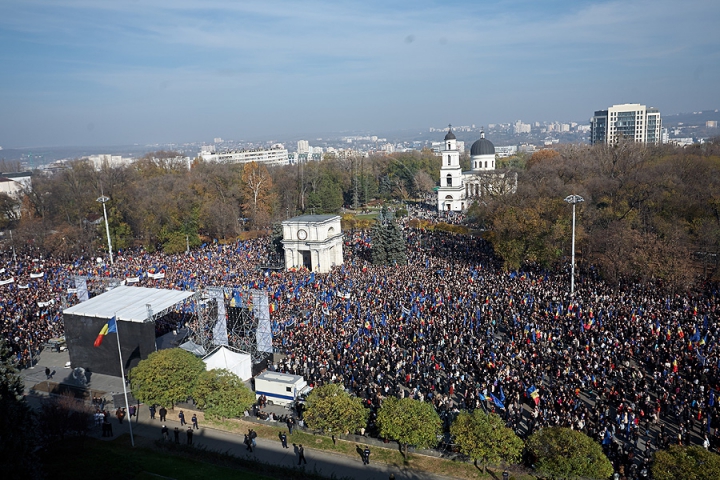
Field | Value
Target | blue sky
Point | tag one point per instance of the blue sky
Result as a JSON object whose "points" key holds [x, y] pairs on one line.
{"points": [[97, 72]]}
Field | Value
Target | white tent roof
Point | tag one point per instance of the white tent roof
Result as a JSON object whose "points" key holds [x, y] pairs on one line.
{"points": [[129, 303], [238, 363]]}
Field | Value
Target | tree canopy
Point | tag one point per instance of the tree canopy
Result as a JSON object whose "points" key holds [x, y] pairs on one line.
{"points": [[388, 241], [166, 377], [484, 437], [687, 463], [221, 393], [650, 213], [409, 422], [331, 409], [562, 453]]}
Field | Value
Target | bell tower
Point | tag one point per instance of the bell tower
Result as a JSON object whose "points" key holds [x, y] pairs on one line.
{"points": [[451, 193]]}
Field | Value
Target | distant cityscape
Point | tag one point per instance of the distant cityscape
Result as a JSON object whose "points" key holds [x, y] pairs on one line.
{"points": [[509, 139]]}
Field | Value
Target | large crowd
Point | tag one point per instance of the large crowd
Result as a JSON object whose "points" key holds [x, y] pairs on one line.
{"points": [[630, 364]]}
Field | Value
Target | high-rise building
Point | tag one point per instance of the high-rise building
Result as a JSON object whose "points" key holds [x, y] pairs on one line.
{"points": [[630, 121], [303, 146], [521, 127]]}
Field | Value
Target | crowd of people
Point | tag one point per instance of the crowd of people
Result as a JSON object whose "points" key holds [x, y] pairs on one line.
{"points": [[632, 365]]}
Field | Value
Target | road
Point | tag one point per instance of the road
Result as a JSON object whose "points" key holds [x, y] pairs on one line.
{"points": [[267, 450]]}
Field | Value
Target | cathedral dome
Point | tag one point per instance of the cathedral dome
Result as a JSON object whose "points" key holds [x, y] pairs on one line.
{"points": [[450, 135], [482, 146]]}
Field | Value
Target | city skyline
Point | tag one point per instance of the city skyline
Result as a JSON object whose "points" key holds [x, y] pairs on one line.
{"points": [[78, 72]]}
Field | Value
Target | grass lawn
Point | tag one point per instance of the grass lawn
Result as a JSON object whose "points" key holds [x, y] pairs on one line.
{"points": [[367, 216], [116, 459], [390, 455]]}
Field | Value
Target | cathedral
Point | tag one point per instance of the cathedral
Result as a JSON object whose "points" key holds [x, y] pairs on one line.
{"points": [[459, 189]]}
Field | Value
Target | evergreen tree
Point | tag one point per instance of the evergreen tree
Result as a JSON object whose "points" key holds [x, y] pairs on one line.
{"points": [[17, 438], [388, 241], [379, 252], [395, 246]]}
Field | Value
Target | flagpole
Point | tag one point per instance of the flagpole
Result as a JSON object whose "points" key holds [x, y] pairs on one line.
{"points": [[122, 374]]}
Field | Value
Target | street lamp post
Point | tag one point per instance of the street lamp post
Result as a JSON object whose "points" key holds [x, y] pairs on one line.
{"points": [[102, 200], [12, 241], [574, 200]]}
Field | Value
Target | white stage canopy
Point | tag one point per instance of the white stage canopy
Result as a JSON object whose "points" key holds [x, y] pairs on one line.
{"points": [[238, 363], [129, 304]]}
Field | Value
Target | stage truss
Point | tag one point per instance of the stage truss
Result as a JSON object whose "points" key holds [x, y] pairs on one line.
{"points": [[237, 318], [218, 316]]}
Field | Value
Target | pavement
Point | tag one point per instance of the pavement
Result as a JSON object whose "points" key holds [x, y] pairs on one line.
{"points": [[267, 451]]}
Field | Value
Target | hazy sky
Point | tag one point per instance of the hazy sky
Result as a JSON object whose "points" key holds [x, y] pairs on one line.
{"points": [[96, 72]]}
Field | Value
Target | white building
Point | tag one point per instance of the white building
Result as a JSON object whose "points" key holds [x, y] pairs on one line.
{"points": [[303, 146], [629, 121], [15, 184], [459, 189], [109, 161], [506, 151], [313, 241], [276, 155], [521, 127]]}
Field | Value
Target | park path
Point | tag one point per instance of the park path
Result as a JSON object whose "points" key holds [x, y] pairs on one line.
{"points": [[268, 450]]}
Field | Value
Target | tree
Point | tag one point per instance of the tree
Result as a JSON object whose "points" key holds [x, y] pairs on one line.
{"points": [[17, 435], [691, 463], [63, 415], [563, 453], [395, 244], [379, 248], [388, 241], [330, 193], [9, 209], [222, 394], [485, 437], [166, 376], [424, 182], [257, 191], [331, 409], [409, 422]]}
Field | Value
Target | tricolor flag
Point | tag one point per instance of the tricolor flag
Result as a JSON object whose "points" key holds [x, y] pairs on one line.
{"points": [[532, 391], [110, 327]]}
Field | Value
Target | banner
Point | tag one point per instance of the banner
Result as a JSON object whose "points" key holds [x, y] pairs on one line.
{"points": [[45, 304], [261, 310], [132, 279], [220, 336], [37, 275], [156, 276], [9, 280], [24, 287], [82, 291]]}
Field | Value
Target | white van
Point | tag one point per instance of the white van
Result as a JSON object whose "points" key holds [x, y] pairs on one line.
{"points": [[280, 388]]}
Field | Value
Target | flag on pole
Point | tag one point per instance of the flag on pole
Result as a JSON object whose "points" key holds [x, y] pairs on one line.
{"points": [[109, 327]]}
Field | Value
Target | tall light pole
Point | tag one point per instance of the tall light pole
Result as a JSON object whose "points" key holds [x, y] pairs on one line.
{"points": [[102, 200], [574, 200]]}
